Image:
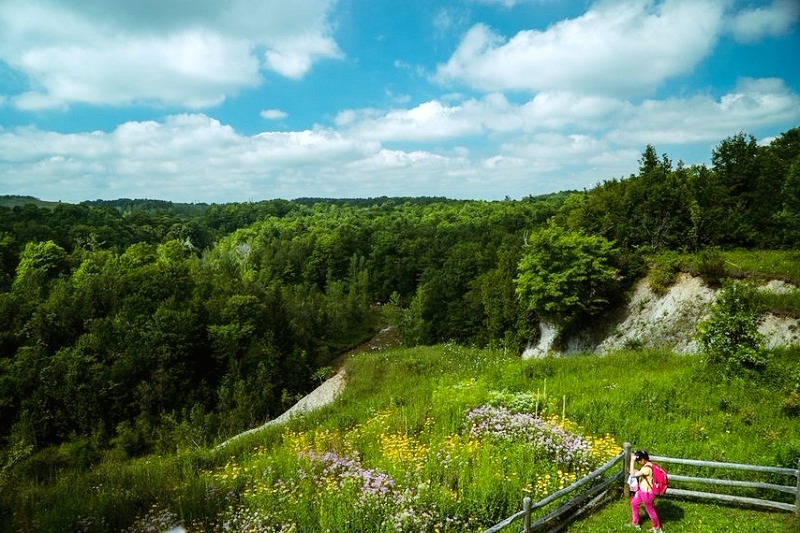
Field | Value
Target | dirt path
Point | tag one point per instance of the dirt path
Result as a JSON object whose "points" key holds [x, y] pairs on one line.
{"points": [[385, 338]]}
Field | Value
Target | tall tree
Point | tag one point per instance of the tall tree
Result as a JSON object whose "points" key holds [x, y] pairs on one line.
{"points": [[735, 161]]}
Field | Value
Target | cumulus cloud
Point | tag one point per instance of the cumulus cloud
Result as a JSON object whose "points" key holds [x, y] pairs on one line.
{"points": [[615, 48], [554, 141], [427, 121], [183, 154], [753, 103], [187, 54], [750, 25], [490, 114]]}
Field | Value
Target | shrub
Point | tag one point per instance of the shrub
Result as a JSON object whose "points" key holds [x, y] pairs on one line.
{"points": [[663, 271], [730, 336], [791, 405], [710, 265]]}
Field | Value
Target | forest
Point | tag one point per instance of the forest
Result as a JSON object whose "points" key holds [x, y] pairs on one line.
{"points": [[140, 326]]}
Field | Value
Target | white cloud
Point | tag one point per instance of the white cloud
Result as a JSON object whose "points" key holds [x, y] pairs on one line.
{"points": [[187, 54], [428, 121], [615, 48], [273, 114], [182, 155], [491, 114], [555, 141], [751, 25], [754, 103], [506, 3]]}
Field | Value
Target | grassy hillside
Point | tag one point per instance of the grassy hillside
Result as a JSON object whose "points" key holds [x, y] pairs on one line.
{"points": [[404, 447]]}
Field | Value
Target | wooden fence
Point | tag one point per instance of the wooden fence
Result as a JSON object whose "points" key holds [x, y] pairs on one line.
{"points": [[573, 508], [560, 518]]}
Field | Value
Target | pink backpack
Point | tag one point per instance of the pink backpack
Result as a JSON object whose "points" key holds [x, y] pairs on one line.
{"points": [[660, 478]]}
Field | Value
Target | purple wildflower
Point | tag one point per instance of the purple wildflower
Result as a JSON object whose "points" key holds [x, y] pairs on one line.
{"points": [[501, 423]]}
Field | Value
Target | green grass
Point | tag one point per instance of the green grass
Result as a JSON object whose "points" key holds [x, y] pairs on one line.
{"points": [[404, 417], [756, 265], [771, 264], [677, 515]]}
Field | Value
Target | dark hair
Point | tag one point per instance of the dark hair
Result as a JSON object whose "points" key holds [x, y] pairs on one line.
{"points": [[641, 454]]}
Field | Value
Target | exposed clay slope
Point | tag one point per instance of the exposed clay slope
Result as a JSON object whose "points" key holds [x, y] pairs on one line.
{"points": [[669, 320]]}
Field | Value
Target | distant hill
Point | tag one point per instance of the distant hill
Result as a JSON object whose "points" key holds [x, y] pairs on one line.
{"points": [[127, 205], [13, 200], [124, 205]]}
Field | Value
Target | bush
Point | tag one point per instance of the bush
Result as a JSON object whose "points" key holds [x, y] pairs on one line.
{"points": [[730, 336], [710, 265], [663, 271]]}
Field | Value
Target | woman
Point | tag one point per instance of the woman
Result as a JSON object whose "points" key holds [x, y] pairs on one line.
{"points": [[645, 495]]}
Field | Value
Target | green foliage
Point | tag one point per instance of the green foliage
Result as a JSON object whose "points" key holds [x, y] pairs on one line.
{"points": [[730, 336], [663, 271], [565, 276], [791, 405], [710, 265], [745, 199], [40, 263]]}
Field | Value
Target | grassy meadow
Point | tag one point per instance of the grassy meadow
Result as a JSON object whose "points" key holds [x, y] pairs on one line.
{"points": [[442, 438]]}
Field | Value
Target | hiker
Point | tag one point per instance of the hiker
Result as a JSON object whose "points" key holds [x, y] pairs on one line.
{"points": [[645, 495]]}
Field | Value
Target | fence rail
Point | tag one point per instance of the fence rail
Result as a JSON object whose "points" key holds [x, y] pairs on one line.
{"points": [[577, 504], [588, 499], [730, 498]]}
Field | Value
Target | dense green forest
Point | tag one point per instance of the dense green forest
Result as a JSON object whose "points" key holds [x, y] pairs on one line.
{"points": [[140, 326]]}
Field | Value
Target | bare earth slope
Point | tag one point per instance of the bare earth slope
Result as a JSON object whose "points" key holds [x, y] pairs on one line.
{"points": [[668, 320]]}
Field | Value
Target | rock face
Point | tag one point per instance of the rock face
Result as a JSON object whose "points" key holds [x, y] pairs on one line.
{"points": [[668, 321], [663, 321]]}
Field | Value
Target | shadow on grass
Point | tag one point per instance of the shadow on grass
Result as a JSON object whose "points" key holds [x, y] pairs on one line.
{"points": [[669, 511]]}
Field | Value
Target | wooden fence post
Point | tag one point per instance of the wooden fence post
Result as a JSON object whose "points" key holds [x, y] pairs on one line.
{"points": [[797, 494], [526, 520], [626, 460]]}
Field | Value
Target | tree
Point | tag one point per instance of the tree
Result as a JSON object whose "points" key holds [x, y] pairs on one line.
{"points": [[39, 264], [788, 218], [707, 213], [735, 161], [493, 293], [564, 276]]}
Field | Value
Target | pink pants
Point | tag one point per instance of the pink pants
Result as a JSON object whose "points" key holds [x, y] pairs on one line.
{"points": [[646, 498]]}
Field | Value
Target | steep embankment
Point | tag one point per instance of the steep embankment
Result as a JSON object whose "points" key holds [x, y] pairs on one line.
{"points": [[668, 321]]}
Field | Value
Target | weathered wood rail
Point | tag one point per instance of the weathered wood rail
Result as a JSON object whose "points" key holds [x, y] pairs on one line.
{"points": [[585, 501], [575, 506]]}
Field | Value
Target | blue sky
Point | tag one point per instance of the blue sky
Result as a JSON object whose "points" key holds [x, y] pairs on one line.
{"points": [[240, 100]]}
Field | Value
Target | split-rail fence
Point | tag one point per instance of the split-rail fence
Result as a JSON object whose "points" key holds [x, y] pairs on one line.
{"points": [[607, 480]]}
